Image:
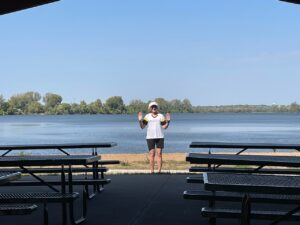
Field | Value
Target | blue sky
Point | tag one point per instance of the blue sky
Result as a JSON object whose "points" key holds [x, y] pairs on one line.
{"points": [[210, 51]]}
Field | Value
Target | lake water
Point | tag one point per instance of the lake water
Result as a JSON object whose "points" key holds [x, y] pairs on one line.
{"points": [[124, 129]]}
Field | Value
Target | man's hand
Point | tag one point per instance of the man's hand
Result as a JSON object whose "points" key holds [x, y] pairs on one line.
{"points": [[140, 116]]}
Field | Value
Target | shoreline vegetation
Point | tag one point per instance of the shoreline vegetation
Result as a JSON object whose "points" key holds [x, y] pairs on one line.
{"points": [[32, 103]]}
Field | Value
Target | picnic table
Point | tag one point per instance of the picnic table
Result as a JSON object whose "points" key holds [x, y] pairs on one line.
{"points": [[249, 184], [60, 147], [65, 149], [52, 160], [242, 147], [256, 160], [215, 161], [47, 160], [5, 178]]}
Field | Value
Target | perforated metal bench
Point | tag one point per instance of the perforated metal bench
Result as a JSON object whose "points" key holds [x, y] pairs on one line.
{"points": [[84, 182], [97, 181], [243, 170], [195, 179], [214, 212], [44, 198], [55, 170], [108, 162], [238, 197], [57, 182], [12, 210], [40, 197]]}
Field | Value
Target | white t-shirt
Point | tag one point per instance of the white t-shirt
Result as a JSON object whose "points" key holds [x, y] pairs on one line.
{"points": [[154, 129]]}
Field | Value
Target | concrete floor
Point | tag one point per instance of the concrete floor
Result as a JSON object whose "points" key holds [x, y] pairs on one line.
{"points": [[131, 200]]}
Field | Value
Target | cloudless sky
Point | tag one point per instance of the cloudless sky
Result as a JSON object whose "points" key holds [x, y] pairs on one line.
{"points": [[210, 51]]}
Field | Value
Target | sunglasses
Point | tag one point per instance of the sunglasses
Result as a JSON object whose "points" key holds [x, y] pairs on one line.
{"points": [[154, 107]]}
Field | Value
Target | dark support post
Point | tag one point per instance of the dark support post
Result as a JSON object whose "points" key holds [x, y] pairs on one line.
{"points": [[5, 153], [209, 165], [286, 216], [258, 168], [63, 190], [63, 151], [291, 1], [9, 6], [246, 210], [211, 203], [71, 205], [244, 149], [46, 215]]}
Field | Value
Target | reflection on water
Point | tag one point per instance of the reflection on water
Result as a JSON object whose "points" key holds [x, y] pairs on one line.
{"points": [[123, 129]]}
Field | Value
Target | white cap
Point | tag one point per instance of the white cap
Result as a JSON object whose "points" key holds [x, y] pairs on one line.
{"points": [[152, 104]]}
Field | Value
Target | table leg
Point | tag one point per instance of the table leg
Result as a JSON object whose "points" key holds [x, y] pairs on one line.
{"points": [[71, 204], [246, 210], [63, 190], [211, 203]]}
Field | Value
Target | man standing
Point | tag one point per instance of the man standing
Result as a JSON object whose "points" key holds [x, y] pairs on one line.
{"points": [[156, 122]]}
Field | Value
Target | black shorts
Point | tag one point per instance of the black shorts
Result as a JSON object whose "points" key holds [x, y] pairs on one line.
{"points": [[156, 143]]}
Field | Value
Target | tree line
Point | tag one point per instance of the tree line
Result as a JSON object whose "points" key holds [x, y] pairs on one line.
{"points": [[52, 104]]}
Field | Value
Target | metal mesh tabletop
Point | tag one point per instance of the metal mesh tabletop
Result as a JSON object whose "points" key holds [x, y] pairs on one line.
{"points": [[36, 197], [57, 146], [47, 160], [229, 159], [252, 183], [6, 177], [243, 145]]}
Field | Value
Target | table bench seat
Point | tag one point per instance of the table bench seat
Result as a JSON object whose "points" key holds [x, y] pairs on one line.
{"points": [[237, 197], [195, 179], [108, 162], [244, 170], [39, 197], [10, 210], [57, 183], [56, 170], [213, 212]]}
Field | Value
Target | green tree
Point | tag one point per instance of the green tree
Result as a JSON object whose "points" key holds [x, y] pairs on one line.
{"points": [[164, 106], [18, 103], [176, 106], [75, 108], [3, 106], [187, 106], [96, 107], [294, 107], [62, 109], [34, 108], [83, 107], [52, 100], [137, 106], [115, 105]]}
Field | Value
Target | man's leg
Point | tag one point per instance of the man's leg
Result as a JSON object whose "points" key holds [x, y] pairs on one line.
{"points": [[158, 154], [151, 157]]}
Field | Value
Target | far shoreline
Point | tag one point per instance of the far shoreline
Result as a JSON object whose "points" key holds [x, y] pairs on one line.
{"points": [[132, 114]]}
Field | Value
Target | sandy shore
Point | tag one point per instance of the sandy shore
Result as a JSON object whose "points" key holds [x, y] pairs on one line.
{"points": [[171, 161]]}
